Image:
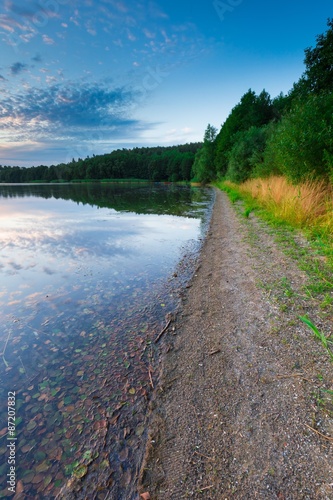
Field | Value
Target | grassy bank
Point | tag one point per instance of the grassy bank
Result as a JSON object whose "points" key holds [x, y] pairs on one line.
{"points": [[307, 206], [290, 209]]}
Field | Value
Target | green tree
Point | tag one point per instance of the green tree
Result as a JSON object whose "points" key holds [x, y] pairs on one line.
{"points": [[251, 111], [302, 144], [246, 152], [203, 167], [157, 163], [281, 105], [210, 134], [319, 62], [318, 75]]}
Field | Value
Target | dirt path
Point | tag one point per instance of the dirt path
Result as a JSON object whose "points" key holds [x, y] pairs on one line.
{"points": [[242, 378]]}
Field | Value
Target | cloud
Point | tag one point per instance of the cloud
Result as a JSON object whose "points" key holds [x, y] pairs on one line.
{"points": [[149, 34], [15, 266], [119, 6], [156, 12], [90, 29], [48, 271], [61, 122], [50, 79], [74, 19], [5, 24], [67, 111], [17, 68], [9, 24], [150, 28], [22, 10], [131, 37], [37, 58], [2, 78], [47, 40], [22, 20], [33, 10]]}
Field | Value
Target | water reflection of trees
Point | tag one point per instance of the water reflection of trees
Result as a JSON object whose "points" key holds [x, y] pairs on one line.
{"points": [[139, 198]]}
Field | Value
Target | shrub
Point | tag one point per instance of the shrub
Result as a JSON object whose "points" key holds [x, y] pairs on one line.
{"points": [[301, 146], [246, 153]]}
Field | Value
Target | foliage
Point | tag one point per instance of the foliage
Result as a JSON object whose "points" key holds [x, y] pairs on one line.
{"points": [[251, 111], [297, 141], [231, 189], [318, 75], [171, 163], [301, 145], [282, 104], [308, 205], [203, 166], [318, 334], [246, 152], [319, 62]]}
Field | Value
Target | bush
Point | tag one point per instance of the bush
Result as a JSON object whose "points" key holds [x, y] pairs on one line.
{"points": [[301, 145], [247, 151]]}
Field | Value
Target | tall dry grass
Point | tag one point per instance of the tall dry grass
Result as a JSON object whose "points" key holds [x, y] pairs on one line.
{"points": [[307, 205]]}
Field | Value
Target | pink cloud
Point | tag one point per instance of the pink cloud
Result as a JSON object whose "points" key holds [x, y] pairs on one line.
{"points": [[47, 40]]}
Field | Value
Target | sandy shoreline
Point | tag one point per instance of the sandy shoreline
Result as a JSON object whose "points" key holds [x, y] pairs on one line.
{"points": [[240, 377]]}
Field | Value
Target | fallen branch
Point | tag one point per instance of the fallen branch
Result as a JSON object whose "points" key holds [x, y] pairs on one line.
{"points": [[163, 331], [294, 375], [150, 378], [206, 488], [319, 433], [214, 352], [202, 455]]}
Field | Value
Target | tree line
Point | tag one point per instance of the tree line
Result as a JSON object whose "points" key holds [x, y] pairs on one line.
{"points": [[289, 135], [171, 163]]}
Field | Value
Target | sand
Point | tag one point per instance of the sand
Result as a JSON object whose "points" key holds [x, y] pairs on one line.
{"points": [[241, 409]]}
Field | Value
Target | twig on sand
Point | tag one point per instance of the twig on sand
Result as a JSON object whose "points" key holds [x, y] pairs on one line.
{"points": [[207, 487], [294, 375], [150, 378], [164, 330], [202, 455], [214, 352], [319, 433]]}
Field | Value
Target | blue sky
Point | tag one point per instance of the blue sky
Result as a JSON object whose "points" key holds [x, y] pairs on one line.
{"points": [[84, 77]]}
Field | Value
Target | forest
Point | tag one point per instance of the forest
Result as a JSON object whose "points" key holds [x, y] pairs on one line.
{"points": [[173, 163], [289, 135]]}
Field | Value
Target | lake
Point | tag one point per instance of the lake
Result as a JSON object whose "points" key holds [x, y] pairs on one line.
{"points": [[90, 274]]}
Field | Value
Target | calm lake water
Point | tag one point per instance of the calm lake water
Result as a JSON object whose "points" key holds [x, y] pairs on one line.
{"points": [[89, 273]]}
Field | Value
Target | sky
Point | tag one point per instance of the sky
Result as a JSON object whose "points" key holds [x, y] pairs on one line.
{"points": [[84, 77]]}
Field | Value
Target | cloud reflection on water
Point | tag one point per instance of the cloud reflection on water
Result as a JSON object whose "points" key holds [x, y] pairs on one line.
{"points": [[49, 244]]}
